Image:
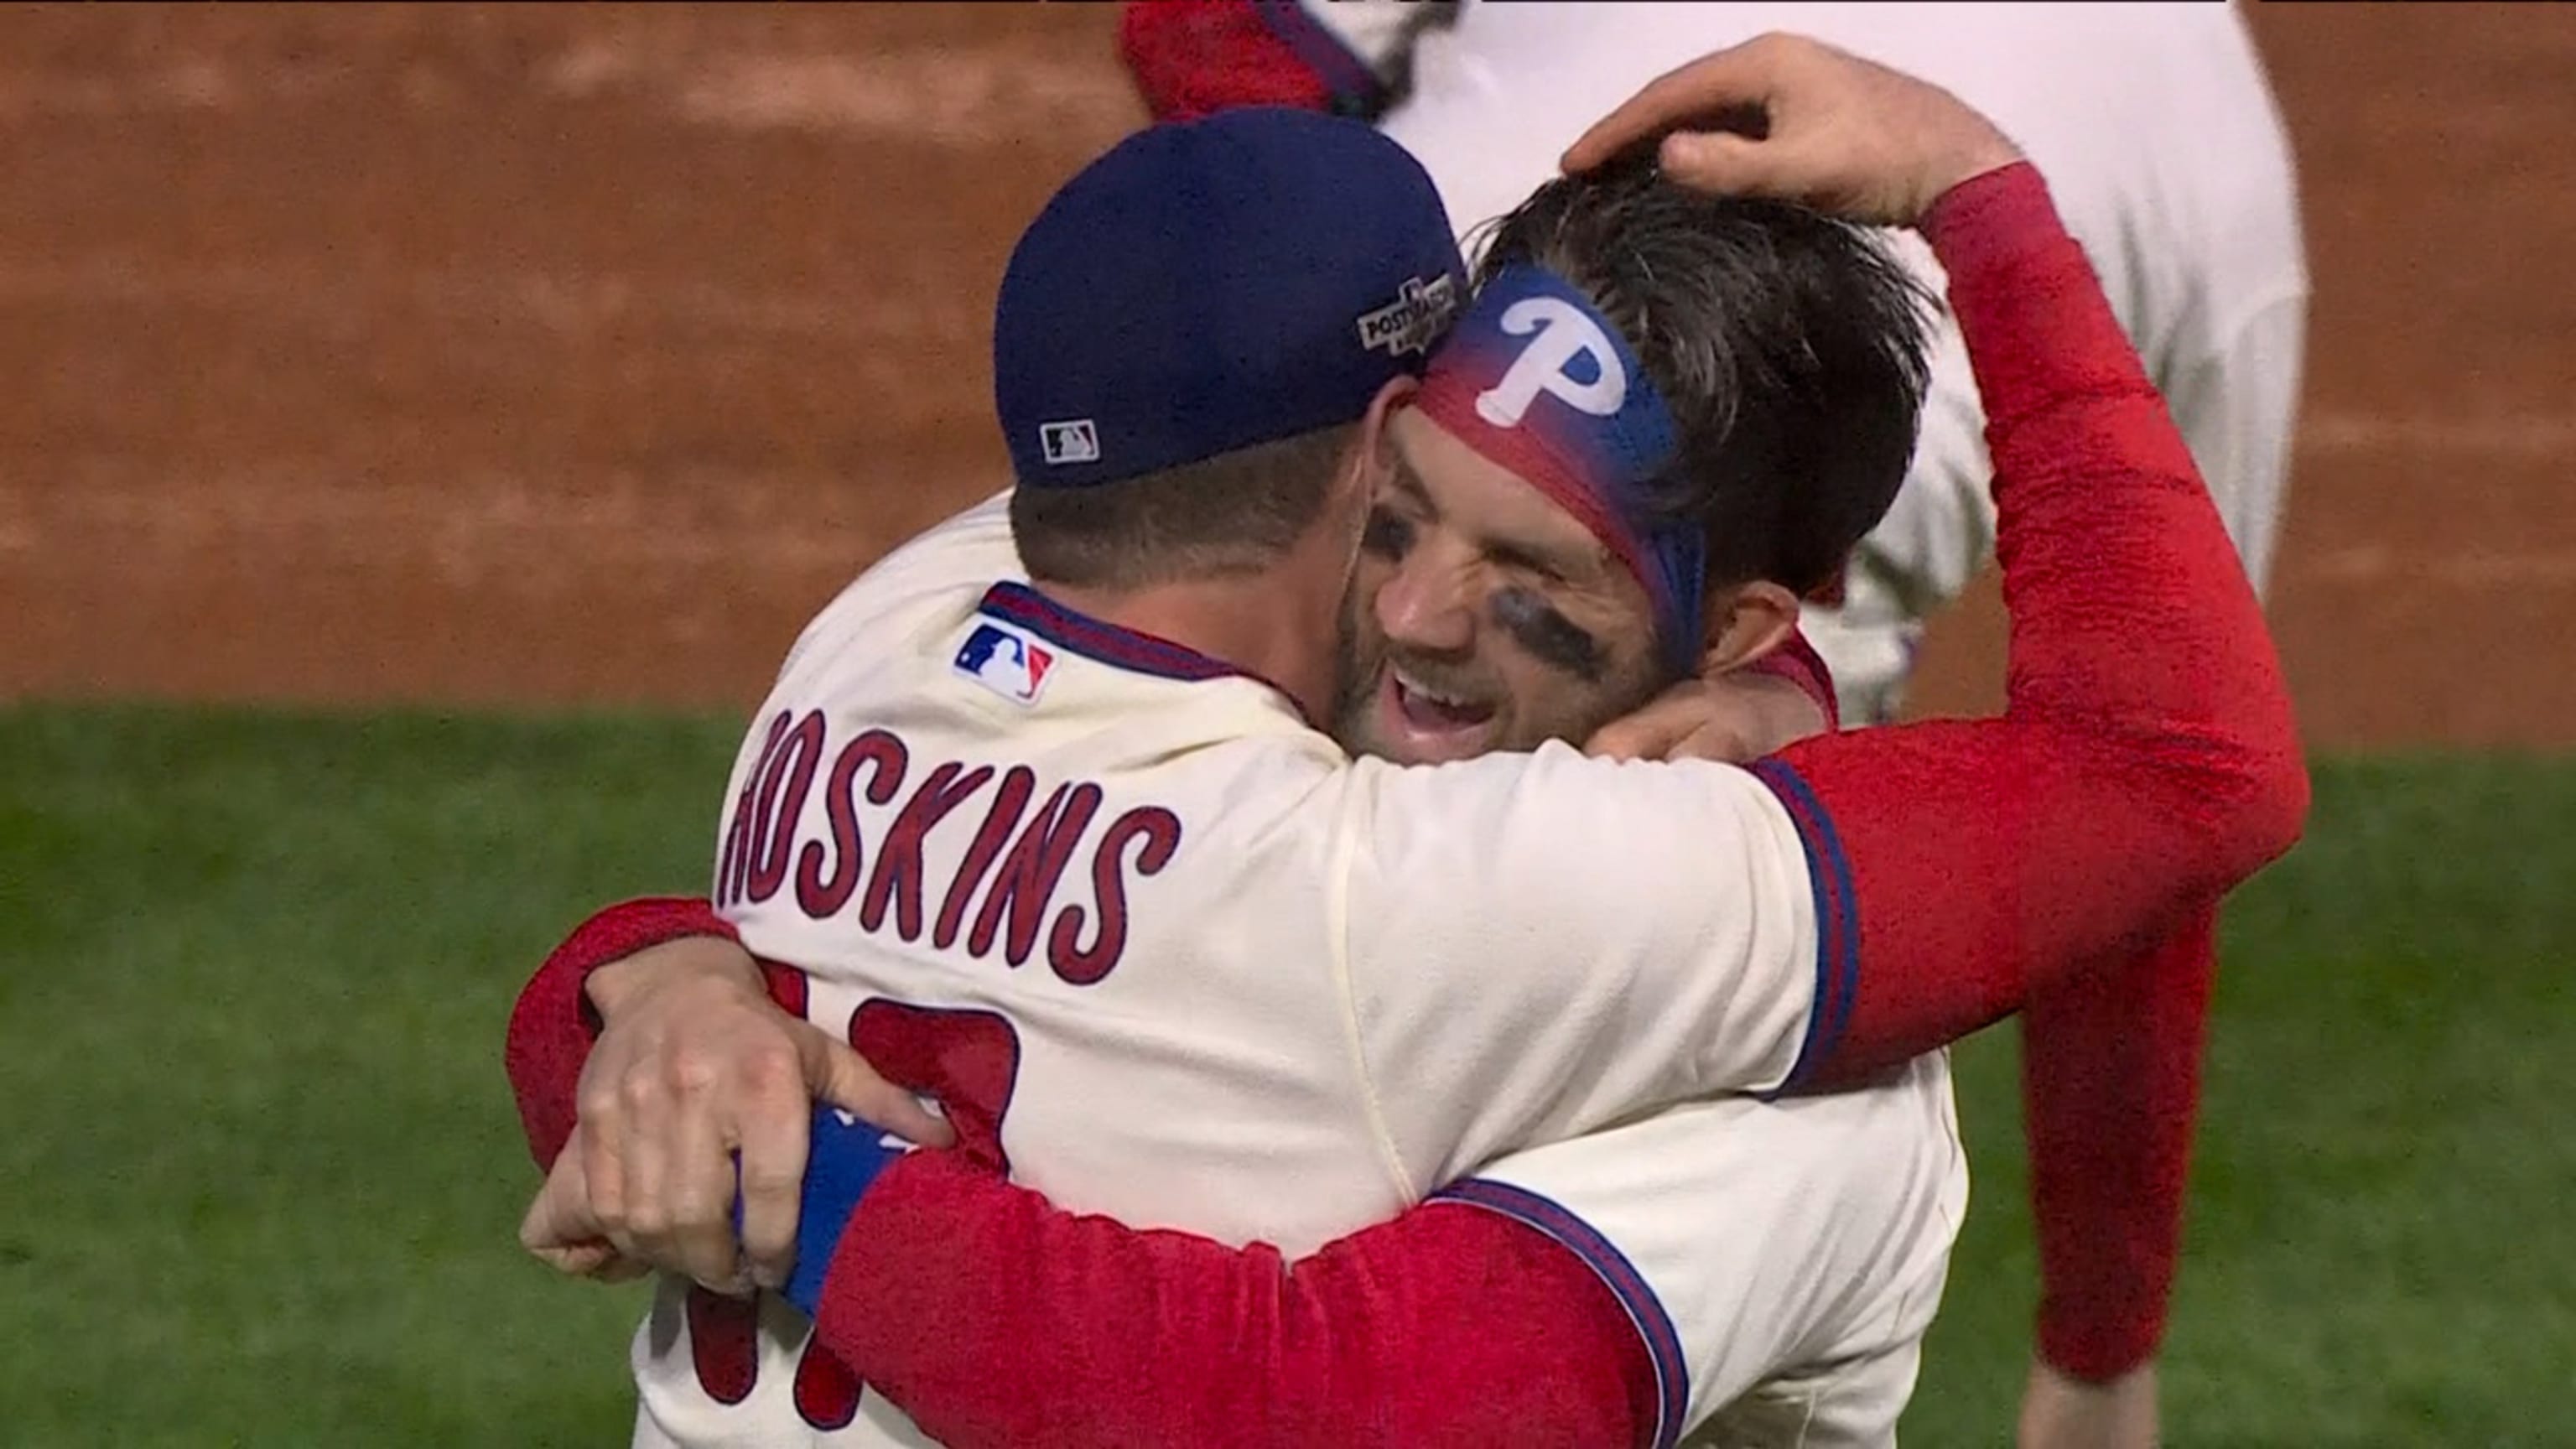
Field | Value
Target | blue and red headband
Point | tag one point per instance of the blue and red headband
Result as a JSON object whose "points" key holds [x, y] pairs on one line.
{"points": [[1538, 382]]}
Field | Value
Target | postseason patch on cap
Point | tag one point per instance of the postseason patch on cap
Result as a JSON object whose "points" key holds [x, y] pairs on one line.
{"points": [[1414, 320]]}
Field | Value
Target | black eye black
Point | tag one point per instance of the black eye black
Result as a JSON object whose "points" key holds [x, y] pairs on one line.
{"points": [[1387, 535], [1548, 635]]}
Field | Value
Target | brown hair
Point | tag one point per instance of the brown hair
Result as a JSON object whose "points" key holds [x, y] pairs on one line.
{"points": [[1235, 513], [1789, 346]]}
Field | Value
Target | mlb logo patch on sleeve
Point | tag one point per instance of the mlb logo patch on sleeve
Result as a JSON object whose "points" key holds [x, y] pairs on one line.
{"points": [[1005, 661]]}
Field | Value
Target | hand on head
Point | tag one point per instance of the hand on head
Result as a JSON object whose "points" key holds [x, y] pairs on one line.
{"points": [[1791, 118]]}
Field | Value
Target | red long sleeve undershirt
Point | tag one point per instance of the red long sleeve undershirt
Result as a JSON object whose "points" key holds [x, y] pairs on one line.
{"points": [[2110, 1088], [2146, 758], [2146, 761], [2111, 1059]]}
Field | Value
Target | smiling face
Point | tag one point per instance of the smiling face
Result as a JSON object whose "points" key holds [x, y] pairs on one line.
{"points": [[1482, 615]]}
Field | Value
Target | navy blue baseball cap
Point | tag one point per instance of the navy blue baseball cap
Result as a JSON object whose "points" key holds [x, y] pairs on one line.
{"points": [[1212, 284]]}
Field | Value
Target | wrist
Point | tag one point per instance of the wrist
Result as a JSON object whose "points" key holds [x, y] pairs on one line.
{"points": [[2059, 1411], [841, 1164], [1983, 160], [711, 960], [1791, 711], [1990, 219], [1797, 664]]}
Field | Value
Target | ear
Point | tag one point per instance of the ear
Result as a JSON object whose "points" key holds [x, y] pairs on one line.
{"points": [[1745, 623], [1373, 452]]}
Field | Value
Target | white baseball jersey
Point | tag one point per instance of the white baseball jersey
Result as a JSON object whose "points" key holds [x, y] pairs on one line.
{"points": [[1781, 1261], [1194, 967], [2161, 142]]}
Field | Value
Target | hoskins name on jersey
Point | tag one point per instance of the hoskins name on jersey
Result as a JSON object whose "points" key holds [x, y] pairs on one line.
{"points": [[880, 805]]}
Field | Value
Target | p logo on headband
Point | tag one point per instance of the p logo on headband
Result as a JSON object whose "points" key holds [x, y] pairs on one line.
{"points": [[1565, 332], [1572, 411]]}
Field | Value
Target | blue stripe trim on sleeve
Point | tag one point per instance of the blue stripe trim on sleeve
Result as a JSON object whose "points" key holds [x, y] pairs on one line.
{"points": [[1636, 1296], [1837, 918]]}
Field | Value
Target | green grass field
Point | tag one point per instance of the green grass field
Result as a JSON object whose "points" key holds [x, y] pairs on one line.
{"points": [[260, 1178]]}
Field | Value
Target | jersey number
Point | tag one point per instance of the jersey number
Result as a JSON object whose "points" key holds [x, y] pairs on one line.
{"points": [[968, 1061]]}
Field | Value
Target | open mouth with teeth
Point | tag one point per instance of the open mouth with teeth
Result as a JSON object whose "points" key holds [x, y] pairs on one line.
{"points": [[1431, 723]]}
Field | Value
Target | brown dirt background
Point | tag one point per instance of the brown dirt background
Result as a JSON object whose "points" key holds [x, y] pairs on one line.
{"points": [[574, 355]]}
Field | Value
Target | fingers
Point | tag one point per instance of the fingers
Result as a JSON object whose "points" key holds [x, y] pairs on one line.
{"points": [[843, 1078], [563, 1231], [696, 1235], [697, 1095], [657, 1150], [776, 1138], [1836, 132], [1741, 77], [645, 1153], [1735, 720], [596, 1261], [773, 1131], [1718, 740], [596, 1145], [1721, 164], [559, 1225], [1640, 736], [1652, 730], [616, 1268], [1672, 738]]}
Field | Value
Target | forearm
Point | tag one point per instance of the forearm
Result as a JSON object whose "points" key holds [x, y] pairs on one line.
{"points": [[2147, 758], [2131, 618], [2110, 1094], [554, 1022], [1448, 1325]]}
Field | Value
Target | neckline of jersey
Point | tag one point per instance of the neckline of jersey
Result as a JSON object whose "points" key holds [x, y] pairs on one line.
{"points": [[1113, 644]]}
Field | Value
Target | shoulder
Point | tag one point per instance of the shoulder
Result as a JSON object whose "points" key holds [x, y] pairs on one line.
{"points": [[960, 556]]}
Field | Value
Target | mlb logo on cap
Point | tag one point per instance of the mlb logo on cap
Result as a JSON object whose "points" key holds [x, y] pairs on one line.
{"points": [[1073, 441], [1005, 661]]}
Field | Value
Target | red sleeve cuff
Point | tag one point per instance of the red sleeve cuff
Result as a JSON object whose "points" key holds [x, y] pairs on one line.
{"points": [[1993, 215], [552, 1026]]}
